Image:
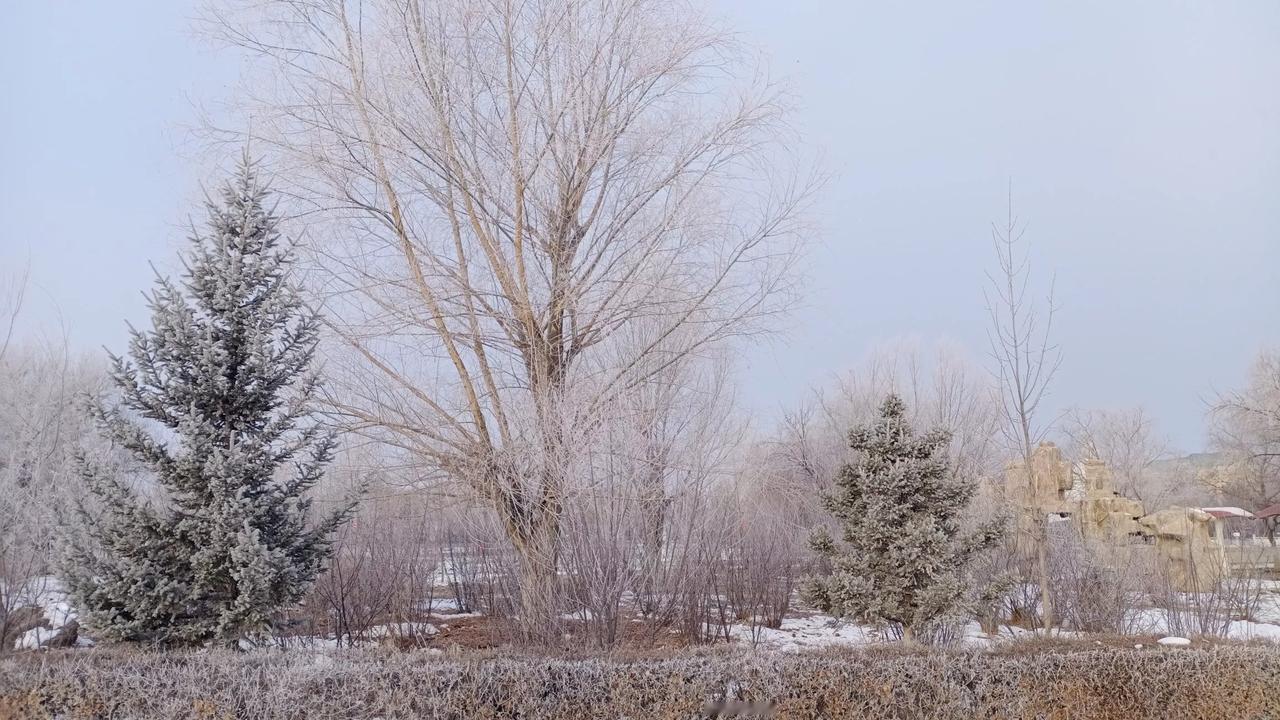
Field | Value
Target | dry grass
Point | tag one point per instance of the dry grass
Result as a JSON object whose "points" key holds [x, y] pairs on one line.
{"points": [[1071, 682]]}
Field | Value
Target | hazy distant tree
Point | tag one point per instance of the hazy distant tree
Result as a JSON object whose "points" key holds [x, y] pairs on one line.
{"points": [[41, 423], [1246, 428], [1128, 443], [1026, 360], [902, 553], [13, 295], [941, 389], [499, 191], [225, 373]]}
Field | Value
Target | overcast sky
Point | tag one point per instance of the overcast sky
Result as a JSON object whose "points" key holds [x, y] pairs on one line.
{"points": [[1142, 139]]}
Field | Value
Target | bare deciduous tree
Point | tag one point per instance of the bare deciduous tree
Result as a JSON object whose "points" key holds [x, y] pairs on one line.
{"points": [[944, 391], [41, 384], [1026, 360], [498, 189], [1127, 441], [13, 294], [1246, 428]]}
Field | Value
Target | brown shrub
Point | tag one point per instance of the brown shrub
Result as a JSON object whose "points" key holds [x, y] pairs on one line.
{"points": [[1094, 683]]}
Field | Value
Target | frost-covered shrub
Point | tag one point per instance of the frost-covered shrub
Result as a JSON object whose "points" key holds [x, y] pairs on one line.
{"points": [[902, 553], [1184, 684]]}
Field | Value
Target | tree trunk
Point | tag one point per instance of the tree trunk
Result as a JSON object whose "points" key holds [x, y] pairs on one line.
{"points": [[537, 547], [1042, 569], [653, 506]]}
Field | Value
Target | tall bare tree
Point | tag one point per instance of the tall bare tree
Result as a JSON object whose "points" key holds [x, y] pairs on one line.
{"points": [[1025, 359], [499, 188]]}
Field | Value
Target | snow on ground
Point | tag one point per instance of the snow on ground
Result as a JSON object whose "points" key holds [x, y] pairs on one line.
{"points": [[800, 633], [1264, 626], [1248, 630], [796, 633], [402, 629], [46, 593], [1268, 610], [825, 631], [444, 608]]}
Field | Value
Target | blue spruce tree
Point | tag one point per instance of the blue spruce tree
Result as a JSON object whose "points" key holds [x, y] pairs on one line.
{"points": [[214, 404]]}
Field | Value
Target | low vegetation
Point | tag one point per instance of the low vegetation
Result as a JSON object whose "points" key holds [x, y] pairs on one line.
{"points": [[1054, 682]]}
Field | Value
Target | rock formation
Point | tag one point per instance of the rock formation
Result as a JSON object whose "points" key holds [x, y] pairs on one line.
{"points": [[1045, 491], [1190, 559], [1105, 514]]}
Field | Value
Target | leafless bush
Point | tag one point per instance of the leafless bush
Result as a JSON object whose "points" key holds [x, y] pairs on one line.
{"points": [[1002, 589], [1094, 684], [1099, 587], [382, 572], [604, 559], [1228, 597], [942, 633], [41, 426], [476, 565], [688, 593], [760, 570]]}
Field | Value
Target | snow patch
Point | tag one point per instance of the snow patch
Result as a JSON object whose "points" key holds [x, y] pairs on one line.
{"points": [[799, 633], [402, 629], [47, 593]]}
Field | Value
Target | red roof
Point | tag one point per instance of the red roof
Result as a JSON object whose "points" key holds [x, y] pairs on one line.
{"points": [[1269, 511]]}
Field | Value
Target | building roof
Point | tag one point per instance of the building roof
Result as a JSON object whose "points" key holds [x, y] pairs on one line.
{"points": [[1269, 511], [1228, 512]]}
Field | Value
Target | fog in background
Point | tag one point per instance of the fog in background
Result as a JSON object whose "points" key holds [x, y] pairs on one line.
{"points": [[1140, 139]]}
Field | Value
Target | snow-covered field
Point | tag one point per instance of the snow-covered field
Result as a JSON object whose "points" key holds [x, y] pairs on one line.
{"points": [[797, 633], [823, 631]]}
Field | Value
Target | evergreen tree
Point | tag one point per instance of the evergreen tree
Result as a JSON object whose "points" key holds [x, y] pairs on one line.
{"points": [[214, 404], [899, 507]]}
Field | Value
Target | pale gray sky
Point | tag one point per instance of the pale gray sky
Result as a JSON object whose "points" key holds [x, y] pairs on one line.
{"points": [[1143, 140]]}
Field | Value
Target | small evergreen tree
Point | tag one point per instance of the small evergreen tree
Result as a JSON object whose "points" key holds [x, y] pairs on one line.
{"points": [[214, 405], [899, 506]]}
